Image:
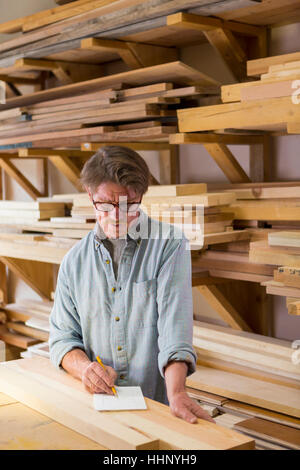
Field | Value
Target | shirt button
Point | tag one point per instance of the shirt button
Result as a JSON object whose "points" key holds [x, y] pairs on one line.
{"points": [[107, 261], [113, 289], [119, 348], [117, 318]]}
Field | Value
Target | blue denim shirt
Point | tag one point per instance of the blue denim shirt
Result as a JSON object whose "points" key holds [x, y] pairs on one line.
{"points": [[136, 323]]}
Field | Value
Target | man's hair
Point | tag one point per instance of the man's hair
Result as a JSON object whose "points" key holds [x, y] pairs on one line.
{"points": [[119, 165]]}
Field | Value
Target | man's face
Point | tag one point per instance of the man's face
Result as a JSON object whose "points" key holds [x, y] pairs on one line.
{"points": [[114, 223]]}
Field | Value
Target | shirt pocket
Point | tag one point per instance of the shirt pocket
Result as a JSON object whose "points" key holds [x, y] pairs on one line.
{"points": [[144, 305]]}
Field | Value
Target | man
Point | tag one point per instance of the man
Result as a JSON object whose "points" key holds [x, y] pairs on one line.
{"points": [[124, 293]]}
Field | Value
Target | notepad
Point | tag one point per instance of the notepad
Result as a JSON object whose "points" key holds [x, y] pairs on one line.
{"points": [[129, 398]]}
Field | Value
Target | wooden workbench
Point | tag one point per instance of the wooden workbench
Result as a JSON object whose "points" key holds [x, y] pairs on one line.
{"points": [[26, 429]]}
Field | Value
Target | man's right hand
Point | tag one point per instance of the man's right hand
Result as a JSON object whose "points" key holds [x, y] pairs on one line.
{"points": [[93, 376], [98, 380]]}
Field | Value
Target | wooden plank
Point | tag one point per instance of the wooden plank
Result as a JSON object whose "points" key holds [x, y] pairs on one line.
{"points": [[112, 428], [261, 252], [27, 429], [14, 339], [277, 288], [60, 13], [224, 237], [48, 252], [294, 308], [32, 205], [176, 72], [176, 189], [265, 13], [208, 200], [208, 348], [257, 193], [145, 146], [293, 128], [162, 423], [210, 138], [263, 211], [289, 276], [253, 115], [247, 390], [245, 410], [19, 312], [259, 91], [34, 215], [274, 432], [79, 417], [285, 238], [14, 26], [6, 400], [207, 23], [242, 367], [28, 331], [88, 134], [272, 86], [206, 397], [243, 338], [257, 67]]}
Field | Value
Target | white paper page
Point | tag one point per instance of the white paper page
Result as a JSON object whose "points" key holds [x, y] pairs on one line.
{"points": [[129, 398]]}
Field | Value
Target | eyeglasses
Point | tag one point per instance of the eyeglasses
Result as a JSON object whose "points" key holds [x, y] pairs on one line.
{"points": [[123, 206]]}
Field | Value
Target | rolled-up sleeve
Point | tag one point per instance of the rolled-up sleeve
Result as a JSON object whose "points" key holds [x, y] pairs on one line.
{"points": [[65, 328], [175, 306]]}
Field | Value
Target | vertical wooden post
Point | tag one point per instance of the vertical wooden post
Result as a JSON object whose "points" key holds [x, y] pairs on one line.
{"points": [[3, 284], [45, 176], [260, 161], [169, 165]]}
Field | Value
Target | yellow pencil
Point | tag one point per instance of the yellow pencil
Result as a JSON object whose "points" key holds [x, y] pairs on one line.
{"points": [[102, 365]]}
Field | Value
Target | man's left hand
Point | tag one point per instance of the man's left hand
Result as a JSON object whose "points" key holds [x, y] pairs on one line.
{"points": [[184, 407]]}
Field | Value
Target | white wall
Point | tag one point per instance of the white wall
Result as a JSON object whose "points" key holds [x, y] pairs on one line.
{"points": [[195, 163]]}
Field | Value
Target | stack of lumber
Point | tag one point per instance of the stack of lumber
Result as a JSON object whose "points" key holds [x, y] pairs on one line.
{"points": [[27, 323], [252, 380], [282, 250], [60, 226], [274, 203], [266, 395], [29, 212], [36, 383], [136, 106], [195, 211], [40, 349], [247, 354], [267, 435], [43, 248], [68, 115], [268, 104], [55, 32]]}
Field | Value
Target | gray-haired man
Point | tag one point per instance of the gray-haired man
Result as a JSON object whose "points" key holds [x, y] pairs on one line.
{"points": [[124, 293]]}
